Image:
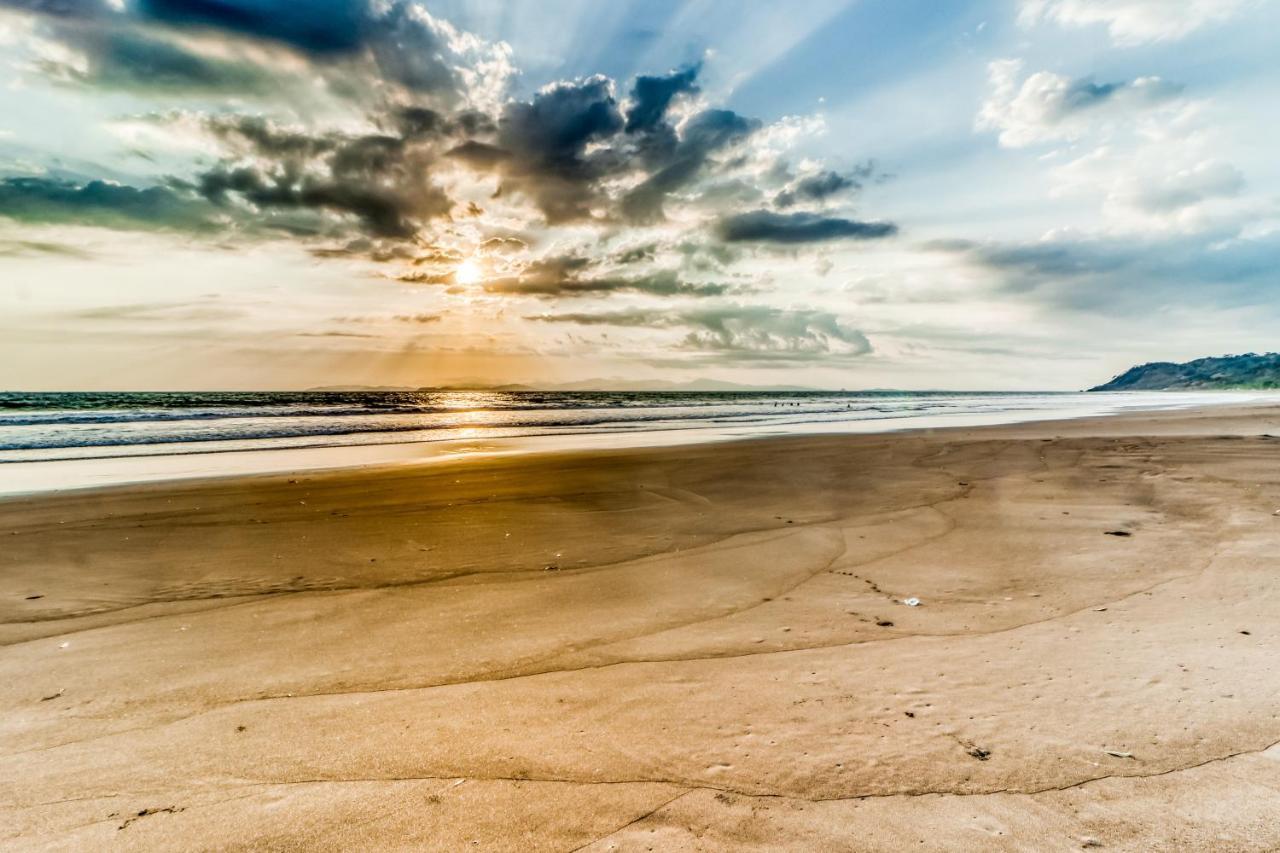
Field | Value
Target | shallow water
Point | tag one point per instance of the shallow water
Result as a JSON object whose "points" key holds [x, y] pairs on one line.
{"points": [[69, 440]]}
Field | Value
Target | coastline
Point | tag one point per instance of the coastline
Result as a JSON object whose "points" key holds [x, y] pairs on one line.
{"points": [[679, 646], [96, 467]]}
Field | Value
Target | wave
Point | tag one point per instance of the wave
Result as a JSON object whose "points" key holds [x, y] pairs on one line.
{"points": [[40, 425], [66, 434]]}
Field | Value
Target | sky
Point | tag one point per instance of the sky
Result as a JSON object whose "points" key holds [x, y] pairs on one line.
{"points": [[275, 194]]}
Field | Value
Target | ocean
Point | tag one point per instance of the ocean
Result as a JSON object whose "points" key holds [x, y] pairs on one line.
{"points": [[66, 427]]}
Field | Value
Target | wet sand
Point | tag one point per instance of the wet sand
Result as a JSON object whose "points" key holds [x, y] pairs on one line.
{"points": [[677, 648]]}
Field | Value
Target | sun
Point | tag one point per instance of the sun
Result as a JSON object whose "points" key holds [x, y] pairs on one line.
{"points": [[468, 272]]}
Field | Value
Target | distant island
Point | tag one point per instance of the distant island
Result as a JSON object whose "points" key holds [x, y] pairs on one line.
{"points": [[1248, 371]]}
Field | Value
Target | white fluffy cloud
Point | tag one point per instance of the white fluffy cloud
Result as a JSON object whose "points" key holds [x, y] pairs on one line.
{"points": [[1131, 22], [1150, 158], [1049, 107]]}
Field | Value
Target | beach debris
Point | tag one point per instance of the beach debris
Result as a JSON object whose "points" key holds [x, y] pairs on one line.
{"points": [[551, 568], [64, 645], [1115, 753], [1118, 533], [34, 597], [1090, 841], [52, 696], [911, 602], [1246, 633], [979, 753], [146, 812], [884, 623]]}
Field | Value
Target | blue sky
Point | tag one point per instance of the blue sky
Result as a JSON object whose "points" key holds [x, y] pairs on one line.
{"points": [[1017, 194]]}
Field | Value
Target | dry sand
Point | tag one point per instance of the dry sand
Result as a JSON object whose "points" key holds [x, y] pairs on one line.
{"points": [[693, 648]]}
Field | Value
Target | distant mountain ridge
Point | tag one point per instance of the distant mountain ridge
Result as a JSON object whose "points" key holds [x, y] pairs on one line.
{"points": [[1247, 371]]}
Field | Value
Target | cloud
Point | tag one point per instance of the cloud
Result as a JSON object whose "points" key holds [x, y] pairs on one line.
{"points": [[109, 205], [1141, 276], [112, 57], [764, 226], [41, 248], [652, 96], [1152, 156], [402, 137], [545, 146], [1132, 22], [822, 186], [433, 278], [1158, 185], [334, 334], [359, 47], [161, 312], [382, 180], [568, 148], [705, 134], [1188, 187], [320, 26], [567, 275], [740, 333], [1046, 107]]}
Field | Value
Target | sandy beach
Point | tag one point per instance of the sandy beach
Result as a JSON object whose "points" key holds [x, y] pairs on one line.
{"points": [[675, 648]]}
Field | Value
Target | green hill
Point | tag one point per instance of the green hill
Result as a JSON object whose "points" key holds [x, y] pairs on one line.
{"points": [[1248, 371]]}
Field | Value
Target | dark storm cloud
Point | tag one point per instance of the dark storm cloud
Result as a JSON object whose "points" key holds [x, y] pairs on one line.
{"points": [[45, 200], [60, 8], [651, 96], [259, 136], [382, 212], [543, 145], [704, 134], [764, 226], [317, 26], [569, 275], [824, 185], [560, 148], [407, 47], [740, 332], [381, 180], [117, 58], [574, 151], [479, 155]]}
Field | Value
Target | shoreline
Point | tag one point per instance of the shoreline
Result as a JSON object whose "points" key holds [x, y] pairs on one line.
{"points": [[66, 474], [703, 646]]}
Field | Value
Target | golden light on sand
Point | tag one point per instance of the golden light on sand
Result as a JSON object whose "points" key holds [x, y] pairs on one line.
{"points": [[468, 272]]}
